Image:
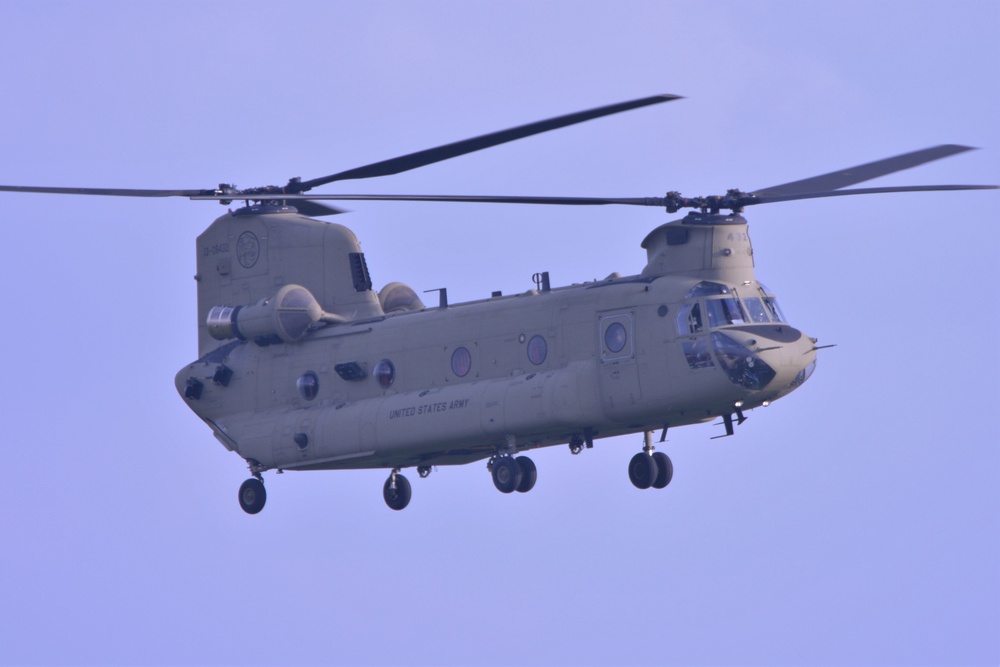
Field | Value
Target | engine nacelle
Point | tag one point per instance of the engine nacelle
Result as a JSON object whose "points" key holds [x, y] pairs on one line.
{"points": [[286, 316], [399, 298]]}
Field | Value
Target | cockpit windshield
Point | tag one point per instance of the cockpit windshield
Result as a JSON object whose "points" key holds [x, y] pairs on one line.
{"points": [[756, 311], [724, 311], [703, 306], [774, 308]]}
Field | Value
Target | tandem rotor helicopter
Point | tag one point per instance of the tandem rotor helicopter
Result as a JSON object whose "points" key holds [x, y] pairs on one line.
{"points": [[304, 366]]}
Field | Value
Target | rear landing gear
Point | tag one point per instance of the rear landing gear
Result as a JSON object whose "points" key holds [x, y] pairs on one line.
{"points": [[252, 496], [648, 468], [396, 491]]}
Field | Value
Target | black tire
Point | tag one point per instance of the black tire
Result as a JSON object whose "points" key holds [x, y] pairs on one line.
{"points": [[252, 496], [664, 470], [507, 474], [529, 474], [399, 497], [642, 470]]}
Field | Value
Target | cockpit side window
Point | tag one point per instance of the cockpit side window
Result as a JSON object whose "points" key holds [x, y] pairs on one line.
{"points": [[689, 319]]}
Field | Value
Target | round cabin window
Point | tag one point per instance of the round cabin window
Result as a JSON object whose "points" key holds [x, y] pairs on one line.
{"points": [[537, 350], [461, 362], [614, 337]]}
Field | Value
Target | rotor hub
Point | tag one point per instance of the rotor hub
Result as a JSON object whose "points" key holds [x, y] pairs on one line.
{"points": [[734, 200]]}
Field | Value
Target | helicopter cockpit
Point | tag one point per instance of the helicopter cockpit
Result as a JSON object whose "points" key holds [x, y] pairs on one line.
{"points": [[710, 306]]}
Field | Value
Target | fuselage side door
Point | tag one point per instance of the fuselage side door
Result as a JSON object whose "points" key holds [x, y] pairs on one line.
{"points": [[619, 374]]}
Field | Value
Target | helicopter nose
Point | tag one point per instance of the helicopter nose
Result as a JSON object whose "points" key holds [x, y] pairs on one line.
{"points": [[781, 356], [794, 358]]}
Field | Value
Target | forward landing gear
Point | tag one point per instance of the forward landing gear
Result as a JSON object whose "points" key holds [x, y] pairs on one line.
{"points": [[642, 470], [513, 474], [396, 491], [664, 470], [648, 468]]}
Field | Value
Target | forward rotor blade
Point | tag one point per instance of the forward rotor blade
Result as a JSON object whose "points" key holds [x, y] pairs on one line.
{"points": [[864, 172], [429, 156], [107, 192], [768, 199]]}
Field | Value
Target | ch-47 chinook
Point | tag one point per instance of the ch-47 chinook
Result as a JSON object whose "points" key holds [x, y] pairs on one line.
{"points": [[304, 366]]}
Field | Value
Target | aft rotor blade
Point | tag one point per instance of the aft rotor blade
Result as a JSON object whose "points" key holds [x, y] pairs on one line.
{"points": [[864, 172], [429, 156], [107, 192]]}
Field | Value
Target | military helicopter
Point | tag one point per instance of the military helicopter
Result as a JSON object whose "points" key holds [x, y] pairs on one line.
{"points": [[304, 366]]}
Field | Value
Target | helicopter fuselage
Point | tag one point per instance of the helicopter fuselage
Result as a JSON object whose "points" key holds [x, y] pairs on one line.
{"points": [[453, 384]]}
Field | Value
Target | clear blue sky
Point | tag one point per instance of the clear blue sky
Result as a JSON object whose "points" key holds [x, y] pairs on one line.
{"points": [[854, 522]]}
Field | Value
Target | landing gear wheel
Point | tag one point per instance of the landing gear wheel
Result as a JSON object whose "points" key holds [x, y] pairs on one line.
{"points": [[507, 474], [399, 497], [529, 474], [664, 470], [642, 470], [252, 496]]}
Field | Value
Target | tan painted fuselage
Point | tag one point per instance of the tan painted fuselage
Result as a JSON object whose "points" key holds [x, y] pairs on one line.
{"points": [[373, 383]]}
